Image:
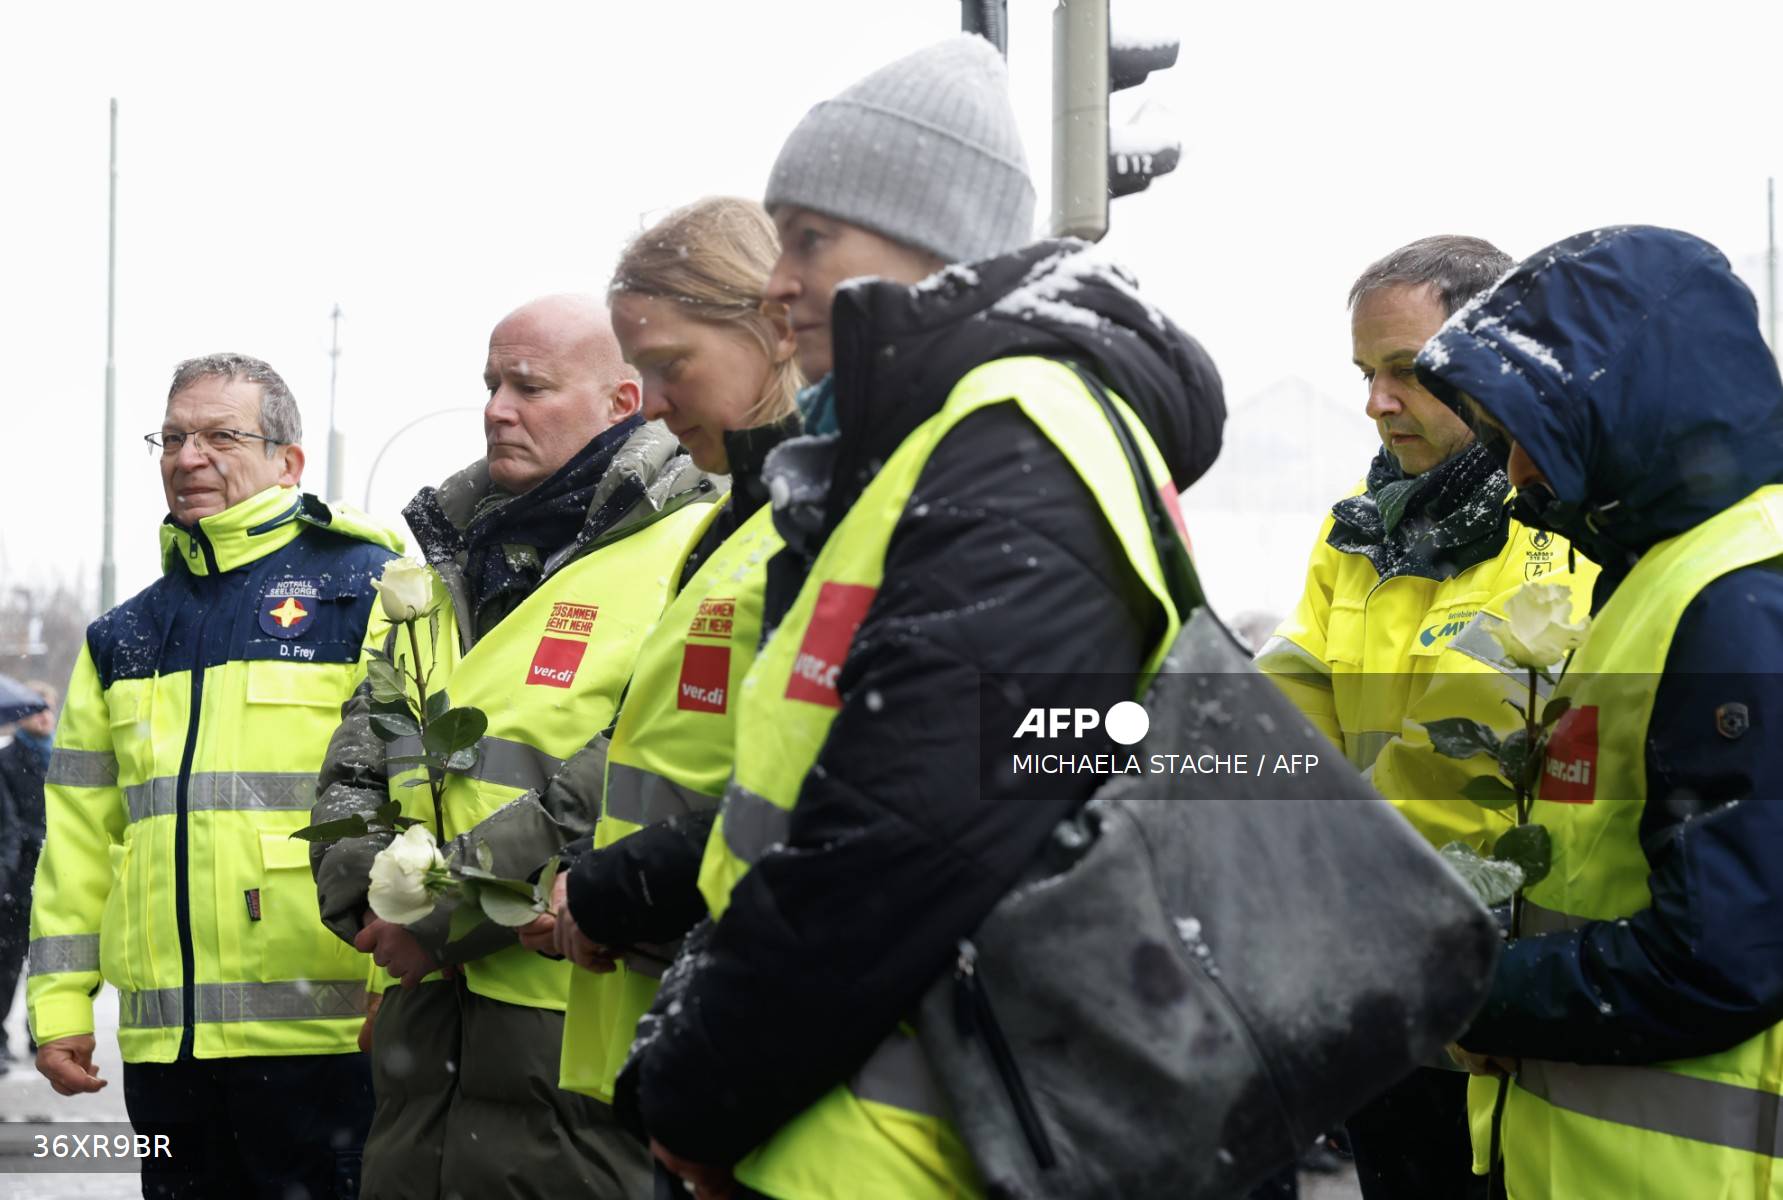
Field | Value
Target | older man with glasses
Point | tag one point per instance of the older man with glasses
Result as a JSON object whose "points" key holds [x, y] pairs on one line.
{"points": [[196, 720]]}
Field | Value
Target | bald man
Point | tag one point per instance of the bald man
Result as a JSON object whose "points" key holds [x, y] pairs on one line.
{"points": [[553, 556]]}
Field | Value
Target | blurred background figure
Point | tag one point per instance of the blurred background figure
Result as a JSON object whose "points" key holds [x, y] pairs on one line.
{"points": [[23, 762]]}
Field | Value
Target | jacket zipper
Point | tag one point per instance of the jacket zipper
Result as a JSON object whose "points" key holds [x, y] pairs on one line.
{"points": [[182, 898], [974, 1016]]}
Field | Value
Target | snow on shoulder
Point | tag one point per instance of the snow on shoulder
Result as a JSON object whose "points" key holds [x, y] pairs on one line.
{"points": [[1047, 289]]}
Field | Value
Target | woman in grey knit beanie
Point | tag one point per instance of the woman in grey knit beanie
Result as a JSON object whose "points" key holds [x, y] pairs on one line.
{"points": [[915, 166]]}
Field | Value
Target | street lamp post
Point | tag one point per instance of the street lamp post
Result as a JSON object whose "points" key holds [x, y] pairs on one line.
{"points": [[391, 440]]}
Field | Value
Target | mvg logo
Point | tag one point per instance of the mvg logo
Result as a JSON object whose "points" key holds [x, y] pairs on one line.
{"points": [[1126, 722]]}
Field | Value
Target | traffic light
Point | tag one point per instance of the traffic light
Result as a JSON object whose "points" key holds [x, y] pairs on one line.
{"points": [[1090, 161]]}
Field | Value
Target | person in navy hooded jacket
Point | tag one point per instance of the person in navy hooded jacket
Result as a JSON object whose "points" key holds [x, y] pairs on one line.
{"points": [[1623, 379]]}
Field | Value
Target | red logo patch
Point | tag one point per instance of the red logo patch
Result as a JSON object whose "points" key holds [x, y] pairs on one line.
{"points": [[1569, 769], [841, 607], [554, 663], [705, 678]]}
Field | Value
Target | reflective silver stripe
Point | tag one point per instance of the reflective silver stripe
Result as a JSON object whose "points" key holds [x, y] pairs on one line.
{"points": [[752, 823], [294, 1000], [65, 952], [1537, 919], [82, 768], [1477, 642], [1703, 1110], [1283, 657], [223, 791], [1363, 748], [501, 761], [644, 797], [898, 1075]]}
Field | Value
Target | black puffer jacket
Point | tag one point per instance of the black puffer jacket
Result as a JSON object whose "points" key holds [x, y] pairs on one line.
{"points": [[1002, 563]]}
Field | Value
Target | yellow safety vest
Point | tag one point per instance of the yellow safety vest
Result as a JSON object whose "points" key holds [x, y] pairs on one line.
{"points": [[548, 677], [884, 1133], [197, 718], [1367, 660], [671, 753], [1705, 1126]]}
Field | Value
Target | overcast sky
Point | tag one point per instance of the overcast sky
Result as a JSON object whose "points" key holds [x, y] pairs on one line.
{"points": [[429, 167]]}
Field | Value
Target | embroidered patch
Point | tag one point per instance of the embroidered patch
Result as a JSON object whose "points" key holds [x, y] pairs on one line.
{"points": [[288, 608], [1569, 769], [840, 609]]}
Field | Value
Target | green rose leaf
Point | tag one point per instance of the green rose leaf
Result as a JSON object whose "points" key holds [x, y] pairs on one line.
{"points": [[1458, 737], [405, 822], [453, 730], [334, 831], [1513, 755], [390, 726], [386, 684], [505, 908], [1488, 792], [541, 890], [1554, 711], [433, 628], [1492, 881], [1530, 848], [463, 760], [437, 704]]}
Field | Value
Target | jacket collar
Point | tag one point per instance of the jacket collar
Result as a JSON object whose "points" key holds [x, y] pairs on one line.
{"points": [[240, 534]]}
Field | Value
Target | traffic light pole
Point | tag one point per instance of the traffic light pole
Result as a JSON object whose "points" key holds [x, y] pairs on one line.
{"points": [[989, 19], [1080, 119]]}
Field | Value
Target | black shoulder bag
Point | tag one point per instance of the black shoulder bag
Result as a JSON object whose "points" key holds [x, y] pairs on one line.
{"points": [[1202, 971]]}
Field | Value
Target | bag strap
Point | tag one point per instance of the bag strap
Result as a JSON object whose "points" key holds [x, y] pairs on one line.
{"points": [[1180, 578]]}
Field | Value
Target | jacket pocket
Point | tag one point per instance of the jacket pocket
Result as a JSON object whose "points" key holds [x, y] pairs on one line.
{"points": [[312, 685], [118, 948], [130, 707], [1344, 633], [283, 917]]}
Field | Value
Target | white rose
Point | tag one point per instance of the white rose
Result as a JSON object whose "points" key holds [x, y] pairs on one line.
{"points": [[405, 589], [405, 875], [1535, 631]]}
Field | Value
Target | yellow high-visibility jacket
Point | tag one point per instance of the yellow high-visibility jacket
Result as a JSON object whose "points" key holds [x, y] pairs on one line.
{"points": [[1369, 660], [196, 718]]}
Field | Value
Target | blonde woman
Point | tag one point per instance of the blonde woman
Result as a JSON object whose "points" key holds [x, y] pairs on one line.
{"points": [[717, 369]]}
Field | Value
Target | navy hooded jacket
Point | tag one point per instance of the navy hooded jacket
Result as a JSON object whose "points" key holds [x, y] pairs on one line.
{"points": [[1628, 365]]}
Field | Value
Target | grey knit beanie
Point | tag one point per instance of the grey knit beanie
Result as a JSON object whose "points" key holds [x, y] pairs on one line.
{"points": [[923, 151]]}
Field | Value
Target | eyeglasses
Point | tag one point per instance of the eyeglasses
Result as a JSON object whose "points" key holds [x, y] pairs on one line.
{"points": [[216, 441]]}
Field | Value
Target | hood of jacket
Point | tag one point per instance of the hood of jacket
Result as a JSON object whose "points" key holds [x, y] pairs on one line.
{"points": [[899, 350], [438, 516], [1628, 364]]}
